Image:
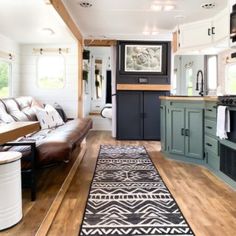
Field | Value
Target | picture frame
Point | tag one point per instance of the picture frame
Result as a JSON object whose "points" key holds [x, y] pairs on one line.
{"points": [[143, 58]]}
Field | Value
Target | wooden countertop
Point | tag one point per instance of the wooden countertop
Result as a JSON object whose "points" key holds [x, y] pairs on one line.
{"points": [[14, 130], [190, 98]]}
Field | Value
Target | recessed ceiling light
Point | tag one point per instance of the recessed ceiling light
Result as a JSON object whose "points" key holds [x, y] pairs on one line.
{"points": [[48, 31], [208, 5], [155, 32], [146, 33], [156, 7], [169, 7], [85, 4]]}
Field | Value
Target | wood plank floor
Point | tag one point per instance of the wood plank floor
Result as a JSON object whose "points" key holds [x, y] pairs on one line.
{"points": [[208, 204]]}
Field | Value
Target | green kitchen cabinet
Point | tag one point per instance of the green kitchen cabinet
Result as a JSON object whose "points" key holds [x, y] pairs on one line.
{"points": [[194, 133], [211, 143], [185, 130], [176, 130], [163, 127]]}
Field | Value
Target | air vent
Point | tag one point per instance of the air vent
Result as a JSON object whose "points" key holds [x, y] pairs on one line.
{"points": [[85, 4], [208, 6]]}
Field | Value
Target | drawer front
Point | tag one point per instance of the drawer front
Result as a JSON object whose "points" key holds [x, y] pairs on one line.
{"points": [[210, 110], [210, 127], [211, 144], [213, 161]]}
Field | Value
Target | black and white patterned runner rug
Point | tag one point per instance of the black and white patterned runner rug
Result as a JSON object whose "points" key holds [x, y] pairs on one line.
{"points": [[128, 197]]}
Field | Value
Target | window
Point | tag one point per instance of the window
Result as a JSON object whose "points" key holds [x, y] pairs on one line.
{"points": [[231, 79], [189, 80], [5, 77], [51, 72], [212, 73]]}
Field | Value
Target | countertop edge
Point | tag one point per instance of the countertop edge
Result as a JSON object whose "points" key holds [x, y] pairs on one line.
{"points": [[176, 98]]}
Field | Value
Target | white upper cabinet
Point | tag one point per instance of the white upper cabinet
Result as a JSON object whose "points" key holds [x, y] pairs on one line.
{"points": [[205, 33], [221, 25], [195, 34]]}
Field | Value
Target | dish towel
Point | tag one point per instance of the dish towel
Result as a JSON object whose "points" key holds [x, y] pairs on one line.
{"points": [[223, 122]]}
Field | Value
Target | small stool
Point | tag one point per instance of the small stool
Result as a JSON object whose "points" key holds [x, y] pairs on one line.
{"points": [[10, 189]]}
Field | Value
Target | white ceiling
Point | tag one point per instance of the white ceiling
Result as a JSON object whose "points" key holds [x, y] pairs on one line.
{"points": [[23, 20], [128, 19]]}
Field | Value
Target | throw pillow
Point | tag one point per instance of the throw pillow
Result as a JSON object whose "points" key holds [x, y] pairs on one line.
{"points": [[60, 111], [48, 117]]}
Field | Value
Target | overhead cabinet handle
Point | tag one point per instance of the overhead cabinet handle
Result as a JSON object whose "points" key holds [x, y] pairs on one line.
{"points": [[209, 31], [182, 131], [213, 30]]}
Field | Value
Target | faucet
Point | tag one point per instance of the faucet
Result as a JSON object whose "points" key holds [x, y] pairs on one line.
{"points": [[202, 82]]}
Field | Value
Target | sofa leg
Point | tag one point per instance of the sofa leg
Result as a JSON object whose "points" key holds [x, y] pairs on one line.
{"points": [[33, 172]]}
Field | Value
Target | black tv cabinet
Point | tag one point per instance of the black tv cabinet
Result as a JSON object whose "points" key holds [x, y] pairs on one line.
{"points": [[138, 115]]}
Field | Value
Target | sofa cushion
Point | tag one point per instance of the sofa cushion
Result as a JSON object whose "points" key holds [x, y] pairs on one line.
{"points": [[27, 105], [48, 117], [13, 109], [56, 145], [4, 116]]}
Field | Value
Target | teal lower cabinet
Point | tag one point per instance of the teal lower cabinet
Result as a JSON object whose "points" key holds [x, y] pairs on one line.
{"points": [[176, 131], [211, 143], [185, 130], [163, 126], [194, 133], [188, 134]]}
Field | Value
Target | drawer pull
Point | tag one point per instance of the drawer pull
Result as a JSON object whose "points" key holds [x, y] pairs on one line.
{"points": [[187, 132], [209, 127], [209, 110], [208, 144]]}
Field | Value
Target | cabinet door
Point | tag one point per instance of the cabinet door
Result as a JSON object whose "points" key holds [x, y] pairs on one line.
{"points": [[194, 133], [175, 130], [195, 34], [221, 25], [130, 115], [151, 104], [163, 127]]}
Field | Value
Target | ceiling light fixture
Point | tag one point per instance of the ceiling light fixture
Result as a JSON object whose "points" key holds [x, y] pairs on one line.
{"points": [[85, 4], [156, 7], [155, 32], [169, 7], [208, 6], [48, 31], [146, 33]]}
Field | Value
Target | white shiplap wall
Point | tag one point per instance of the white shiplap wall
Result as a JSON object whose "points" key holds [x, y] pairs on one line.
{"points": [[9, 46], [67, 97]]}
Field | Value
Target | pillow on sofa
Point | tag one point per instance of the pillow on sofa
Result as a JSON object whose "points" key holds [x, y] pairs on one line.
{"points": [[60, 111], [48, 117]]}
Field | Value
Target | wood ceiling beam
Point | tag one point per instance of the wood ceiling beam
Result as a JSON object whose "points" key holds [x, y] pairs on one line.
{"points": [[63, 12], [100, 42]]}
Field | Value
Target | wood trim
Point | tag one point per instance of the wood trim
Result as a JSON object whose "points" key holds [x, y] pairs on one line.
{"points": [[15, 130], [175, 42], [63, 12], [100, 42], [52, 212], [145, 87], [80, 81]]}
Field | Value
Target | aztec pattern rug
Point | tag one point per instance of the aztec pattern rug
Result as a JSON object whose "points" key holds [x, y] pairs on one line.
{"points": [[128, 197]]}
